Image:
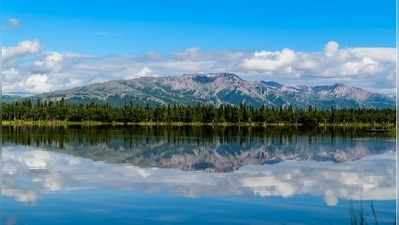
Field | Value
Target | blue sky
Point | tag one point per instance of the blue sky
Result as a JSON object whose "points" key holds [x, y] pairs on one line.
{"points": [[61, 44], [122, 26]]}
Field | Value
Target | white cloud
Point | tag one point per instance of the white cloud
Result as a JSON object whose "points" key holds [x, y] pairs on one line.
{"points": [[379, 54], [333, 62], [372, 68], [144, 72], [23, 48], [10, 73], [331, 48], [37, 83], [50, 63], [370, 178], [268, 62], [25, 196], [14, 22]]}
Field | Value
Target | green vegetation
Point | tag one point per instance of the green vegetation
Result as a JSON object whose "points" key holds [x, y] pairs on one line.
{"points": [[63, 113]]}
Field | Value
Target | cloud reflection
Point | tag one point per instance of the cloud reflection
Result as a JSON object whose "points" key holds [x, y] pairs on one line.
{"points": [[27, 173]]}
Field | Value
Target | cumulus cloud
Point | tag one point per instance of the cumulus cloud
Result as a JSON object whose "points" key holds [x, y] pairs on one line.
{"points": [[372, 68], [269, 62], [37, 83], [144, 72], [22, 49], [50, 63], [331, 48], [333, 62]]}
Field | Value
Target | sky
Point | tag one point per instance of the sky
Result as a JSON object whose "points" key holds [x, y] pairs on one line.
{"points": [[48, 45]]}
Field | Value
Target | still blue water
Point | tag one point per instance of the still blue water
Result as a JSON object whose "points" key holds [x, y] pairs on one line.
{"points": [[302, 178]]}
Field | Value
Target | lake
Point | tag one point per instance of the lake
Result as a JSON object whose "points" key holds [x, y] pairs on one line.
{"points": [[196, 175]]}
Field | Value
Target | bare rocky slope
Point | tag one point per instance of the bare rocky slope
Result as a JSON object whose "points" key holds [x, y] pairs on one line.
{"points": [[219, 88]]}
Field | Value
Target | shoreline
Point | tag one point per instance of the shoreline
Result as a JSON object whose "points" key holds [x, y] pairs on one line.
{"points": [[55, 123]]}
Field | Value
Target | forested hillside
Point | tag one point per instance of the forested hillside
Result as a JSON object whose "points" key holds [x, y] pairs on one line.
{"points": [[61, 110]]}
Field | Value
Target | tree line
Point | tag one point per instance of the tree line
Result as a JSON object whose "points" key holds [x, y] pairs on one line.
{"points": [[61, 110]]}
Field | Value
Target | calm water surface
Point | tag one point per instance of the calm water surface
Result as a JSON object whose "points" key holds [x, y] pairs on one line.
{"points": [[185, 175]]}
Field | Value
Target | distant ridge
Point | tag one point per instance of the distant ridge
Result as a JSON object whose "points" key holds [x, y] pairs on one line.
{"points": [[219, 88]]}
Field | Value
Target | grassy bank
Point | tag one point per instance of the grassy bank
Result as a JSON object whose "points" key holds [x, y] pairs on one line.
{"points": [[99, 123], [360, 125], [375, 126]]}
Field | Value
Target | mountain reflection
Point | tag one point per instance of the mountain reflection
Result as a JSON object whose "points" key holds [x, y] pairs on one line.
{"points": [[27, 173], [197, 161], [201, 148]]}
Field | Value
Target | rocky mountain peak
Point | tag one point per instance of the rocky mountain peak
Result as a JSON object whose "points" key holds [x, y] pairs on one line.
{"points": [[272, 84], [221, 88], [211, 77]]}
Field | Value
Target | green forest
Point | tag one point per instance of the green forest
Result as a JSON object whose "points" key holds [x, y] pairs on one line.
{"points": [[63, 111]]}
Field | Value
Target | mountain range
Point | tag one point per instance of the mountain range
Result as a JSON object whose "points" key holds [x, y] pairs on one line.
{"points": [[219, 88]]}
